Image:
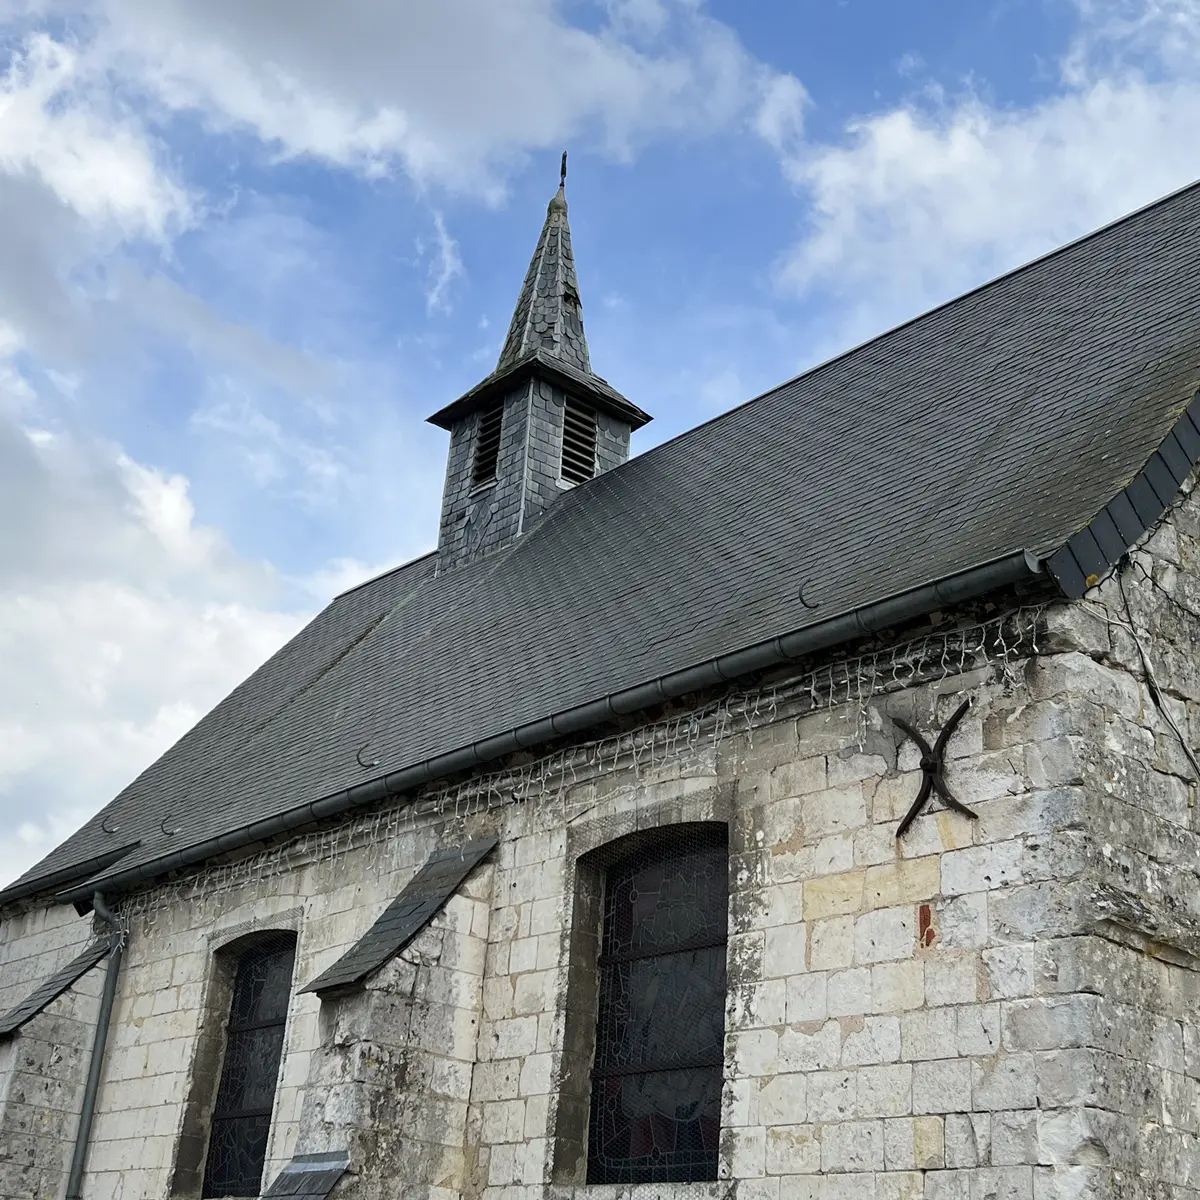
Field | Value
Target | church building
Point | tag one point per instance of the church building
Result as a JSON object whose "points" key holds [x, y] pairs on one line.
{"points": [[802, 809]]}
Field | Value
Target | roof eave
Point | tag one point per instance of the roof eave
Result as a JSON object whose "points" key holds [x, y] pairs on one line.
{"points": [[590, 389], [1017, 567]]}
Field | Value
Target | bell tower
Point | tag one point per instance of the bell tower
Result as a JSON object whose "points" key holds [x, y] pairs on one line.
{"points": [[542, 422]]}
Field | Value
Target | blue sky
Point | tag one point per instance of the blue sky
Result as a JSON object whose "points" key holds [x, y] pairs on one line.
{"points": [[248, 248]]}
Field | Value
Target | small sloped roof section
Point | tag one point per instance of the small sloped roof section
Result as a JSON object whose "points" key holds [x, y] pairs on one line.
{"points": [[52, 987], [1001, 422], [422, 899]]}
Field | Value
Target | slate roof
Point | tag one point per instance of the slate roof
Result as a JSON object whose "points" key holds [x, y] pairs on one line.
{"points": [[421, 899], [1002, 421], [547, 316], [53, 986], [309, 1176]]}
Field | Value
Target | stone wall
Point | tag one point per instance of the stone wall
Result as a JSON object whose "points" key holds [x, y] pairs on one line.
{"points": [[43, 1068], [1000, 1008]]}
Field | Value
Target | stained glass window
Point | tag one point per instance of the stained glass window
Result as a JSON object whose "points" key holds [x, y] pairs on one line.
{"points": [[656, 1080], [237, 1142]]}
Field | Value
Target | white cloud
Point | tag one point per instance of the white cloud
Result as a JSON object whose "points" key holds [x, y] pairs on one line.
{"points": [[933, 196], [453, 93], [57, 127], [445, 267], [122, 620]]}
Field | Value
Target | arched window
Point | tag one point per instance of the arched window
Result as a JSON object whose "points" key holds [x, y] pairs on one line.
{"points": [[241, 1115], [656, 1077]]}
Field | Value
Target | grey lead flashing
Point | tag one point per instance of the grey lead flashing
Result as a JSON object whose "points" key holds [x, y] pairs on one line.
{"points": [[53, 987], [1018, 567], [1099, 545], [309, 1176], [422, 898]]}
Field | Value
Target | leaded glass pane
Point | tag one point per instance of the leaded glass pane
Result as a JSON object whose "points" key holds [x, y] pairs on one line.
{"points": [[237, 1144], [656, 1082]]}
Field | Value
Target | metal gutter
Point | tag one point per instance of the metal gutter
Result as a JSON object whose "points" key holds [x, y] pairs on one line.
{"points": [[1020, 566], [55, 879], [88, 1112]]}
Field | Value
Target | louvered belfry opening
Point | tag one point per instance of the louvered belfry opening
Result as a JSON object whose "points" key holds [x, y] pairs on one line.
{"points": [[241, 1119], [656, 1076], [487, 445], [579, 444]]}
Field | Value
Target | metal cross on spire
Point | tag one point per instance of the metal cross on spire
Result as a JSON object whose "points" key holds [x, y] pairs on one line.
{"points": [[562, 171]]}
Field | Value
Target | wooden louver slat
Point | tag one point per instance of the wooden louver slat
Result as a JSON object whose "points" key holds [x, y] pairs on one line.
{"points": [[487, 446], [579, 444]]}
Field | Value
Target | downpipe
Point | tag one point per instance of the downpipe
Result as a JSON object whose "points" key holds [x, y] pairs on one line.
{"points": [[88, 1112]]}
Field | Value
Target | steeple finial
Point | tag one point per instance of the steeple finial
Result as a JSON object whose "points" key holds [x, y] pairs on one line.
{"points": [[548, 318]]}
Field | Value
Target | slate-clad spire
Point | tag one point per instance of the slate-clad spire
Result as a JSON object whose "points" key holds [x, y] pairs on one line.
{"points": [[548, 315], [541, 423]]}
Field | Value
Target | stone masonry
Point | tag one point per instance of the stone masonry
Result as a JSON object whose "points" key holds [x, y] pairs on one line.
{"points": [[995, 1009]]}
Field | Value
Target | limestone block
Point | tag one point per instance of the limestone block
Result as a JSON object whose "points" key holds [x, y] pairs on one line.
{"points": [[806, 1049], [833, 895], [848, 993], [885, 1091], [914, 1143], [523, 955], [784, 951], [745, 1150], [832, 1096], [1072, 1137], [792, 1150], [873, 845], [514, 1037], [536, 1075], [929, 1034], [897, 986], [535, 992], [798, 777], [1014, 1137], [739, 1100], [853, 767], [756, 1005], [834, 854], [948, 1185], [962, 922], [833, 944], [781, 904], [884, 935], [1067, 1078], [968, 1139], [754, 1052], [979, 1029], [782, 1100], [1050, 1022], [941, 1086], [904, 882], [1006, 1081], [852, 1146], [870, 1040], [806, 998], [952, 977], [834, 810], [906, 1185]]}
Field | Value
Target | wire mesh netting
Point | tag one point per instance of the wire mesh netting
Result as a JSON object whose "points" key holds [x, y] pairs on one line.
{"points": [[1002, 641]]}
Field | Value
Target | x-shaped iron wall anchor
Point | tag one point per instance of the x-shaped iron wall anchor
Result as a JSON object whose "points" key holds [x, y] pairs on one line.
{"points": [[933, 768]]}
